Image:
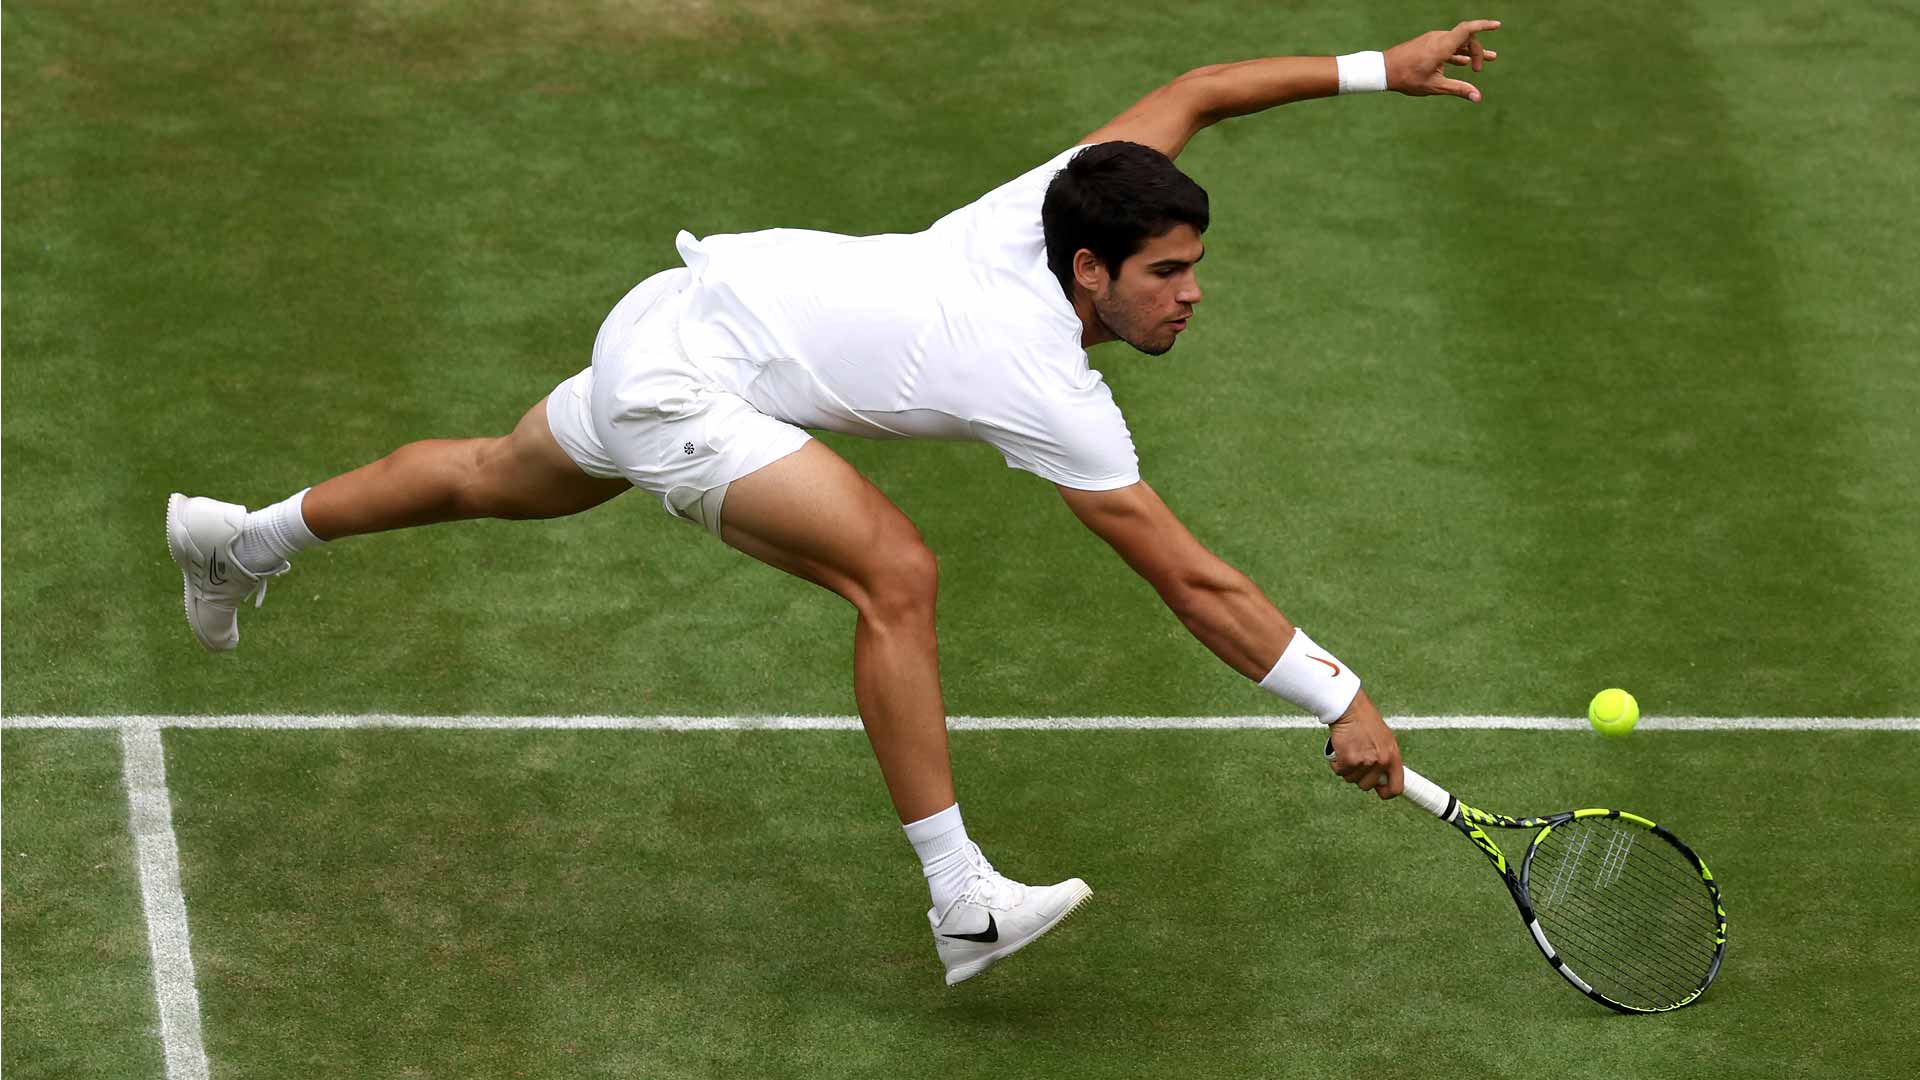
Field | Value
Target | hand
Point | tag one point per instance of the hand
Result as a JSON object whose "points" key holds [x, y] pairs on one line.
{"points": [[1418, 67], [1364, 749]]}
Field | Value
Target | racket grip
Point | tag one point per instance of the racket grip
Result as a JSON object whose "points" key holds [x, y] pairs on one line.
{"points": [[1424, 793]]}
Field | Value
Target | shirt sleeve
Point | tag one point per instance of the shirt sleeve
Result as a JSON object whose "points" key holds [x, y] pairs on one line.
{"points": [[1069, 431]]}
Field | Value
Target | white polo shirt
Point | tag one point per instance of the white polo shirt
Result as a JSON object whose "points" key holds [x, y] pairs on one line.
{"points": [[957, 332]]}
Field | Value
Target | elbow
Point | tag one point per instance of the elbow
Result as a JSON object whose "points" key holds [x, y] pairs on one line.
{"points": [[1198, 90], [1202, 72]]}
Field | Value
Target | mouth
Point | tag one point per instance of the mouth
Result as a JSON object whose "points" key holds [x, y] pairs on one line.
{"points": [[1178, 325]]}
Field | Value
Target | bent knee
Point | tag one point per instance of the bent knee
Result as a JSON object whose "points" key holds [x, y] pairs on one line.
{"points": [[902, 582], [502, 479], [481, 486]]}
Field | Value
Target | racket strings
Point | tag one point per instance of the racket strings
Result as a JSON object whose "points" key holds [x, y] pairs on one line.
{"points": [[1621, 970], [1594, 929], [1689, 896], [1641, 897], [1625, 910], [1647, 988], [1581, 943], [1667, 872], [1684, 915], [1563, 874]]}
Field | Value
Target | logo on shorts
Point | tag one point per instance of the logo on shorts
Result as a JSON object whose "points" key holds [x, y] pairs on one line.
{"points": [[688, 449]]}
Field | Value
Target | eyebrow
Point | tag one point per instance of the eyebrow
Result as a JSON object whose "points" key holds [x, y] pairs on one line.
{"points": [[1158, 263]]}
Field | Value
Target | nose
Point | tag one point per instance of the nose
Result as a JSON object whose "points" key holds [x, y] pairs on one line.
{"points": [[1189, 294]]}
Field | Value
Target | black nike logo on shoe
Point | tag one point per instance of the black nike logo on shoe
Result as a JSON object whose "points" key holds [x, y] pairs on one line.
{"points": [[989, 935], [216, 571]]}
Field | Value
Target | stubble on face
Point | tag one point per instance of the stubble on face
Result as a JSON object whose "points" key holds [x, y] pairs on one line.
{"points": [[1147, 303], [1132, 322]]}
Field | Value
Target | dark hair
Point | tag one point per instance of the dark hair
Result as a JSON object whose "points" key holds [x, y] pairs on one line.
{"points": [[1110, 199]]}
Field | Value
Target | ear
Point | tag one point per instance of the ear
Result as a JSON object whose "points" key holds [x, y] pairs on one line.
{"points": [[1089, 272]]}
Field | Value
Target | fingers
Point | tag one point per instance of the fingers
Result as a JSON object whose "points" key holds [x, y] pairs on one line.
{"points": [[1375, 778], [1363, 751], [1461, 31], [1464, 48], [1457, 88], [1352, 771], [1362, 772], [1387, 779], [1393, 781], [1376, 769], [1474, 56], [1372, 765]]}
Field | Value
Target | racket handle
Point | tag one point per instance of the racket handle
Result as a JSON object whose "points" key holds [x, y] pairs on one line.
{"points": [[1424, 793]]}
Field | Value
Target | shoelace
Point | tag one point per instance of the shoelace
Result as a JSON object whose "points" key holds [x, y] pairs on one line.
{"points": [[259, 591], [259, 588], [989, 888]]}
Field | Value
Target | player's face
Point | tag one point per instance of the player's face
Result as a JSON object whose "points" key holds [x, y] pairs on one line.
{"points": [[1149, 303]]}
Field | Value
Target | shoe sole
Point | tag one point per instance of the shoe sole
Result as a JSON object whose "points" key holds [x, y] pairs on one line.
{"points": [[176, 538], [962, 974]]}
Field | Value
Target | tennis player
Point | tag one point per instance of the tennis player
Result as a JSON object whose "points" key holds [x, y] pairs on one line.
{"points": [[706, 377]]}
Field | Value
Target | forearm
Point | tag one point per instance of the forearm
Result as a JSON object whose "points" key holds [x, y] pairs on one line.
{"points": [[1251, 86], [1225, 611]]}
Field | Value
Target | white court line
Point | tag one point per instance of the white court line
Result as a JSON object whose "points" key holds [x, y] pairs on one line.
{"points": [[150, 814], [329, 721]]}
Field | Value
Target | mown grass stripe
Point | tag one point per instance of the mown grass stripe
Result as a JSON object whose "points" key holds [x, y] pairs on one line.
{"points": [[150, 812], [334, 721]]}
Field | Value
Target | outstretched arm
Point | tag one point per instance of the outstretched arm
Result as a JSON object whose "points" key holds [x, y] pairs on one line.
{"points": [[1229, 614], [1167, 118]]}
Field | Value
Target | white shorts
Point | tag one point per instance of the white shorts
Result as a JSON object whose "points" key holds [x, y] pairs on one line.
{"points": [[645, 412]]}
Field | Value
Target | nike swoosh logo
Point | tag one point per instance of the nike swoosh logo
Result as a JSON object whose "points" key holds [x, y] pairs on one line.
{"points": [[1329, 663], [216, 572], [990, 934]]}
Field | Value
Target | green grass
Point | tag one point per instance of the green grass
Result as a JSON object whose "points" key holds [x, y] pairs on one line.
{"points": [[1609, 381], [578, 904], [78, 994]]}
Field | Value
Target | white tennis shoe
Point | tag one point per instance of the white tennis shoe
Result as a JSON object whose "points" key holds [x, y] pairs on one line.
{"points": [[200, 536], [996, 917]]}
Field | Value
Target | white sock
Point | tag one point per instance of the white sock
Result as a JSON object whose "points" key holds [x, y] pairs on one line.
{"points": [[948, 859], [271, 536]]}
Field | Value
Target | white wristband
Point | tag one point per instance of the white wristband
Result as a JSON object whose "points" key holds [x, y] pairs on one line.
{"points": [[1362, 72], [1312, 678]]}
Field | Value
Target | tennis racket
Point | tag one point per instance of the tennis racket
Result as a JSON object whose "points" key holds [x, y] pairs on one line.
{"points": [[1622, 908]]}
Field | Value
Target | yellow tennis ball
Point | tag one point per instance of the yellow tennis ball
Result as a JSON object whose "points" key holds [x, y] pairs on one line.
{"points": [[1613, 712]]}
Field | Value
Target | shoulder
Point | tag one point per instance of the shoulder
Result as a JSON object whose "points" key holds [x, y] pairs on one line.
{"points": [[1020, 195]]}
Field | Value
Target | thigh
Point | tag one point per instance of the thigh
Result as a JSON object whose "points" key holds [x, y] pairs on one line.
{"points": [[813, 515]]}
